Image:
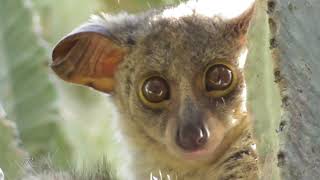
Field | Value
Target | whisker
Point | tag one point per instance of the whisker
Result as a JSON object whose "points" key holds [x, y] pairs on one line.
{"points": [[160, 174], [223, 101], [168, 176], [217, 103]]}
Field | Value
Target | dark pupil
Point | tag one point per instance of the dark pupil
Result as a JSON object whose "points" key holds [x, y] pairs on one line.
{"points": [[218, 77], [155, 89]]}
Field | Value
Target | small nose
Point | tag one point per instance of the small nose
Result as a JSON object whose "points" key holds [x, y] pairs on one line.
{"points": [[191, 137]]}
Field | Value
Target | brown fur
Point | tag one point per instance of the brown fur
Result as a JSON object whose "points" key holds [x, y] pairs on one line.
{"points": [[179, 49]]}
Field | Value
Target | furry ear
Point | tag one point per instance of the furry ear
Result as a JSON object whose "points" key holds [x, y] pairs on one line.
{"points": [[238, 26], [88, 56]]}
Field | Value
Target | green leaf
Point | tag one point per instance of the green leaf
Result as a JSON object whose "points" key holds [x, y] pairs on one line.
{"points": [[263, 93], [26, 89], [87, 113], [11, 156]]}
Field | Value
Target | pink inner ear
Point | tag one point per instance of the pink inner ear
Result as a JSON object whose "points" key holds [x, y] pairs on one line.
{"points": [[88, 58], [104, 57], [110, 62]]}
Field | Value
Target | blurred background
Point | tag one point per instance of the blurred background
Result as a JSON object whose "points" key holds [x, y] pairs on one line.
{"points": [[45, 118]]}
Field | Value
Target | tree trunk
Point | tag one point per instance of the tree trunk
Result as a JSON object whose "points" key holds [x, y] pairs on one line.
{"points": [[295, 44]]}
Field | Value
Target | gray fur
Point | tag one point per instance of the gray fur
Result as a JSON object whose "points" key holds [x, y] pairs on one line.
{"points": [[180, 49]]}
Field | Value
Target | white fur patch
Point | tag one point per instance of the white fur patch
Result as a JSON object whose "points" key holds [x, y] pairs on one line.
{"points": [[234, 121], [226, 9], [254, 147], [244, 99], [242, 58]]}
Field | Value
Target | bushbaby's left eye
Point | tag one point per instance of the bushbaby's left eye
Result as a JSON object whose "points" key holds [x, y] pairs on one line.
{"points": [[219, 80], [154, 92]]}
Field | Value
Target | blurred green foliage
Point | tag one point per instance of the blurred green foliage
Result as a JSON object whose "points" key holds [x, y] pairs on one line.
{"points": [[12, 156], [27, 93]]}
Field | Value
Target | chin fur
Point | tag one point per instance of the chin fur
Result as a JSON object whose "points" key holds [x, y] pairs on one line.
{"points": [[239, 160]]}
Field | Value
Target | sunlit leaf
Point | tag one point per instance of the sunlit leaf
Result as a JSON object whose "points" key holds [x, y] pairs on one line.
{"points": [[11, 155], [135, 5], [263, 95], [26, 89]]}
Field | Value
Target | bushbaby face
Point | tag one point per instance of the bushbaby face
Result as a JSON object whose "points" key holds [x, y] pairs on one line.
{"points": [[183, 86], [177, 81]]}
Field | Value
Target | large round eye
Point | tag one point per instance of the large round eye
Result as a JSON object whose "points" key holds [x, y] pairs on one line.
{"points": [[155, 89], [219, 79]]}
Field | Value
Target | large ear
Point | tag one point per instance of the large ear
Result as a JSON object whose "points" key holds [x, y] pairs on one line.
{"points": [[238, 26], [88, 56]]}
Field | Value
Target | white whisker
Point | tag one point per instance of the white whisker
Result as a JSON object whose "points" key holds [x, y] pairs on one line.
{"points": [[223, 101], [160, 174], [168, 176], [151, 176]]}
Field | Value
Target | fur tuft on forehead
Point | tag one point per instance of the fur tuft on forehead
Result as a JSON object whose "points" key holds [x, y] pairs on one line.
{"points": [[226, 9]]}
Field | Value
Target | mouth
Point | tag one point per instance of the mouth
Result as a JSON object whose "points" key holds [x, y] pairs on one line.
{"points": [[201, 154], [215, 148]]}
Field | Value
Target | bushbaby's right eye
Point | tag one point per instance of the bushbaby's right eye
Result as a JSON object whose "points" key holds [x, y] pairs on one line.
{"points": [[154, 90]]}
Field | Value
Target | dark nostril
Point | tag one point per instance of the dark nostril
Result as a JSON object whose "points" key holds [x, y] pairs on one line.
{"points": [[192, 137]]}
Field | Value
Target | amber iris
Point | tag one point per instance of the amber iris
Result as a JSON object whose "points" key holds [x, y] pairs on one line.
{"points": [[155, 90], [218, 77]]}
